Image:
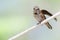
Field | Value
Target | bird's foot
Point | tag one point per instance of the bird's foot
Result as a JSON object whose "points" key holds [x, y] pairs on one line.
{"points": [[38, 23]]}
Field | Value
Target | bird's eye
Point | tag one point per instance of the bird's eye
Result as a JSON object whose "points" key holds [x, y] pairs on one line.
{"points": [[38, 9], [35, 13], [33, 8]]}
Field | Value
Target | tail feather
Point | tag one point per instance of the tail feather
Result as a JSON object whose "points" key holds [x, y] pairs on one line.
{"points": [[48, 25]]}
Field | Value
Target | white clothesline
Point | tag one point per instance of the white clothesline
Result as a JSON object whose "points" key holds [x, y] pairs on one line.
{"points": [[33, 27]]}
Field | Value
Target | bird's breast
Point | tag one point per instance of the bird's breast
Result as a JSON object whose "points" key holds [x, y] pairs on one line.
{"points": [[39, 17]]}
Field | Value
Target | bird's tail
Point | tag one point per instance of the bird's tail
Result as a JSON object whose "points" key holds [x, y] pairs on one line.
{"points": [[48, 25]]}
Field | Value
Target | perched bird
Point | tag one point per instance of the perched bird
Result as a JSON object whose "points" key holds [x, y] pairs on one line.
{"points": [[40, 16]]}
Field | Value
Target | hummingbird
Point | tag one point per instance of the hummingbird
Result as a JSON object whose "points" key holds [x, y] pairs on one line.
{"points": [[39, 15]]}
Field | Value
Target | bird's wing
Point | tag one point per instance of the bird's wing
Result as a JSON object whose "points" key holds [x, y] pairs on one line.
{"points": [[47, 13]]}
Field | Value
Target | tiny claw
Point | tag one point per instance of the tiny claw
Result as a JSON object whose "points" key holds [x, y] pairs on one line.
{"points": [[38, 23], [55, 19]]}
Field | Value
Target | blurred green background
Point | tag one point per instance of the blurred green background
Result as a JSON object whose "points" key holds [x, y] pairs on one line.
{"points": [[17, 15]]}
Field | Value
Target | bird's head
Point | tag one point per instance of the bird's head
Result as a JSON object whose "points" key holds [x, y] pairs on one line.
{"points": [[36, 10]]}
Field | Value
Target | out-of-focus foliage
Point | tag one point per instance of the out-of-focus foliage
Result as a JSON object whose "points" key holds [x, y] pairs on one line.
{"points": [[17, 15]]}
